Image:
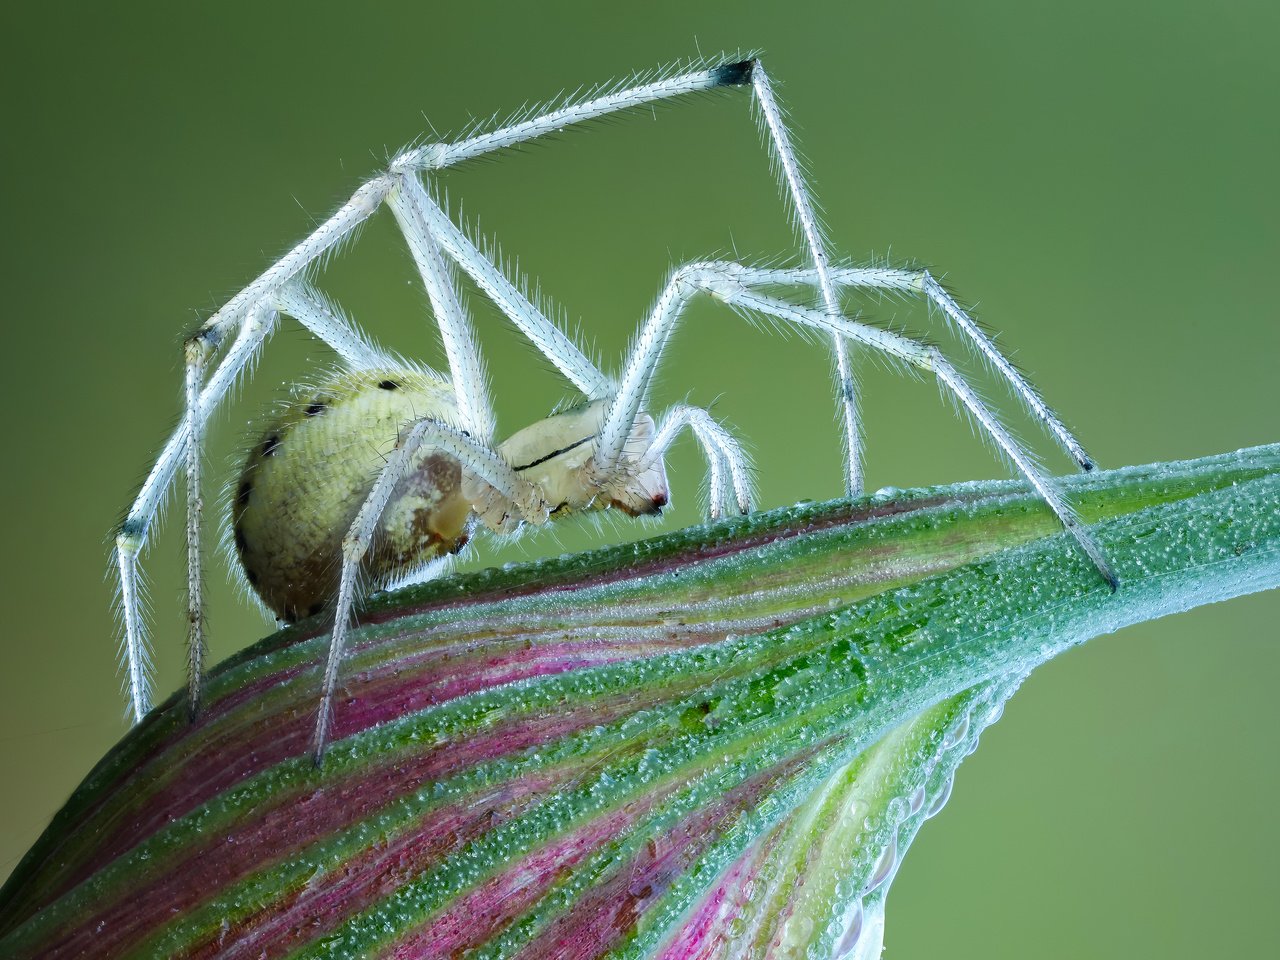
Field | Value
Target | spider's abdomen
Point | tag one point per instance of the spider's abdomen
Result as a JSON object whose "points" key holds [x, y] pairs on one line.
{"points": [[305, 480]]}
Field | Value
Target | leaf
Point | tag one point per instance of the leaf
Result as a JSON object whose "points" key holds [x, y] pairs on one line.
{"points": [[715, 744]]}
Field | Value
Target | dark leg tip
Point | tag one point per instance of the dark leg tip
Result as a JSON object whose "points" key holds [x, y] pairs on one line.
{"points": [[1087, 465], [734, 74]]}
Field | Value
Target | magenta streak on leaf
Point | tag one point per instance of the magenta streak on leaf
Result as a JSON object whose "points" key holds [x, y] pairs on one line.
{"points": [[704, 935], [482, 914], [361, 881], [383, 693], [294, 820], [118, 829], [269, 741], [608, 913], [397, 688]]}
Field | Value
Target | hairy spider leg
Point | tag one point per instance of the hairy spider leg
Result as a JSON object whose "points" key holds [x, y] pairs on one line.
{"points": [[433, 157], [730, 472], [132, 534], [197, 353], [424, 223], [722, 281], [477, 460], [807, 222], [465, 365], [923, 283], [429, 224], [544, 334], [325, 322]]}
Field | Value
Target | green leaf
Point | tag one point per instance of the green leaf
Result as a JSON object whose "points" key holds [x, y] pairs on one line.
{"points": [[716, 744]]}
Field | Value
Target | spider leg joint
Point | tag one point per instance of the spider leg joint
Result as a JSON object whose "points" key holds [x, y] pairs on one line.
{"points": [[131, 535], [429, 156], [735, 74]]}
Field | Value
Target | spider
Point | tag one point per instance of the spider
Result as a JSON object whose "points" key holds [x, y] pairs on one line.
{"points": [[316, 523]]}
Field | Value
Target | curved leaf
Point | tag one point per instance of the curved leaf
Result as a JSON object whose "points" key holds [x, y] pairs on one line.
{"points": [[716, 744]]}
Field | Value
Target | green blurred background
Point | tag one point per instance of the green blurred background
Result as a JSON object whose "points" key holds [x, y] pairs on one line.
{"points": [[1101, 177]]}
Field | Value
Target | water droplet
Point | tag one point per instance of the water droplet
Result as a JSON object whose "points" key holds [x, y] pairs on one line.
{"points": [[852, 931], [852, 811], [884, 866], [956, 733], [897, 810], [941, 799], [917, 800], [870, 941]]}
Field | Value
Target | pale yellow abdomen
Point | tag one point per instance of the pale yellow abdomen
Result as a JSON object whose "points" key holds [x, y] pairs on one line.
{"points": [[306, 478]]}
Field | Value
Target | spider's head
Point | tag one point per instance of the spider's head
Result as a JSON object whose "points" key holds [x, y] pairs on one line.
{"points": [[555, 454]]}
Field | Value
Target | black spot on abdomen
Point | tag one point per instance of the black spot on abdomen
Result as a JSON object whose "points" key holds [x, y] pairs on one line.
{"points": [[270, 445]]}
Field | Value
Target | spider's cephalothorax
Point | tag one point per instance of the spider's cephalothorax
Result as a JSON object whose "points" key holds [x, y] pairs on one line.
{"points": [[306, 479], [380, 470]]}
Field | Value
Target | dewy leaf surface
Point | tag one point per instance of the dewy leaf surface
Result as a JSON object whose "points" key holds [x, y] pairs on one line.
{"points": [[717, 744]]}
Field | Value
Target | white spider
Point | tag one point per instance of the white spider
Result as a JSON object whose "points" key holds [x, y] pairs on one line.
{"points": [[312, 518]]}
